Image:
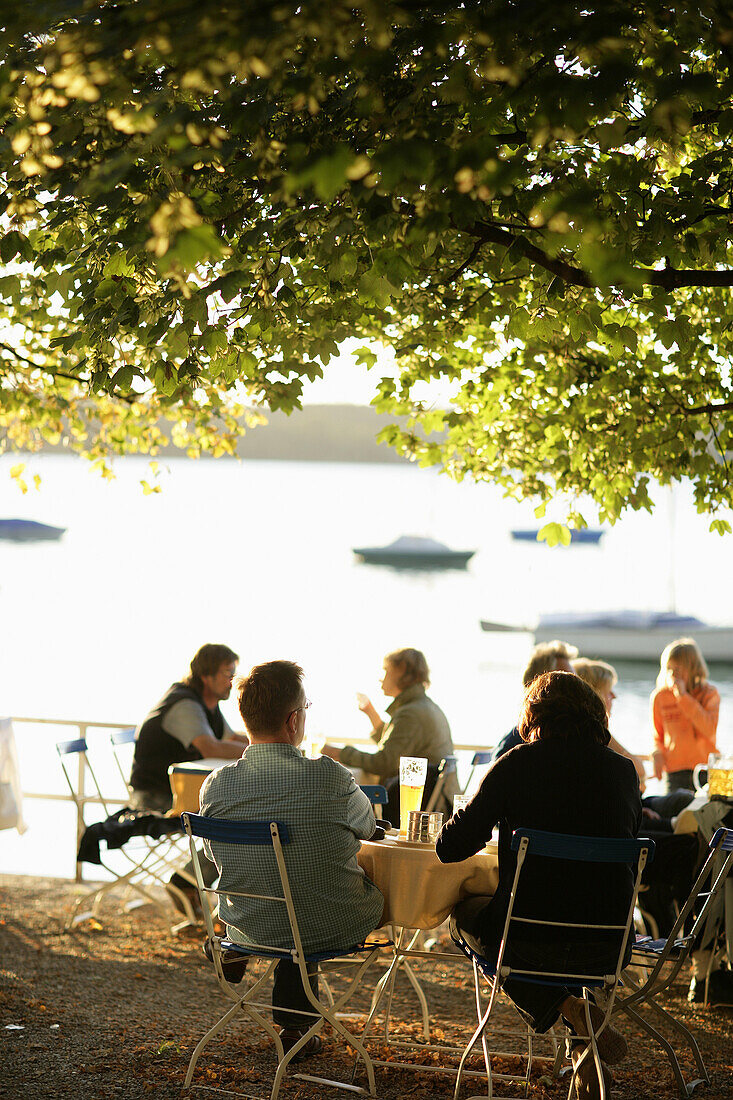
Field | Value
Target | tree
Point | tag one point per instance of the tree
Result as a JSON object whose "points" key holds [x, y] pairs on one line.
{"points": [[529, 203]]}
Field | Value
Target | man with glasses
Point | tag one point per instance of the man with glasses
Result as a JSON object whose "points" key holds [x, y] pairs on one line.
{"points": [[328, 816]]}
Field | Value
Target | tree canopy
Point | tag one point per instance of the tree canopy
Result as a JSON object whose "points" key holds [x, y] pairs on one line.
{"points": [[528, 203]]}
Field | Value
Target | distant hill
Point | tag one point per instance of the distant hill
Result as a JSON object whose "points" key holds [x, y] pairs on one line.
{"points": [[316, 433], [321, 433]]}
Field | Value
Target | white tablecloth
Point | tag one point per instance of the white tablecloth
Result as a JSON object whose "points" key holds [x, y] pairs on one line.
{"points": [[420, 891]]}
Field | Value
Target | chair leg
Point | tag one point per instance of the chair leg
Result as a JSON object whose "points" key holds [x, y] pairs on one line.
{"points": [[594, 1046], [683, 1089], [240, 1004], [421, 998]]}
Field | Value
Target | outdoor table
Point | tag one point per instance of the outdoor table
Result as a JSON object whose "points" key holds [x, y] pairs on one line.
{"points": [[187, 779], [420, 891]]}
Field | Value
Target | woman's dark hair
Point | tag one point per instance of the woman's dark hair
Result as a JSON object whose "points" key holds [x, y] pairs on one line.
{"points": [[207, 662], [560, 704]]}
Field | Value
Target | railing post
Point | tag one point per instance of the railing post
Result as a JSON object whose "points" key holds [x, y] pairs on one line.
{"points": [[80, 826]]}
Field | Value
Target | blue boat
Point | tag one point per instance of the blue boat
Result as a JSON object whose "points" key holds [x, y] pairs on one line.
{"points": [[587, 535], [28, 530]]}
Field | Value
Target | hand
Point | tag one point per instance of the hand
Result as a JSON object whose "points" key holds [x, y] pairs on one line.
{"points": [[659, 759], [650, 815], [332, 752], [363, 701]]}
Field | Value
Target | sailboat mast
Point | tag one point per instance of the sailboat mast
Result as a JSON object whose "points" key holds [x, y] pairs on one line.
{"points": [[672, 555]]}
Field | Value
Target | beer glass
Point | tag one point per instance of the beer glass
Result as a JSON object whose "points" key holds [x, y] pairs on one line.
{"points": [[413, 772]]}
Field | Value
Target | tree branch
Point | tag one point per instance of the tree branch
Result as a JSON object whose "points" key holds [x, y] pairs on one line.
{"points": [[698, 410], [668, 279]]}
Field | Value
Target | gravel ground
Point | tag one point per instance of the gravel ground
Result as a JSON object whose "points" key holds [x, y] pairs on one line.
{"points": [[112, 1010]]}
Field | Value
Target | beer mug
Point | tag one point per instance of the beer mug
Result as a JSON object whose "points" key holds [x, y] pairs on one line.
{"points": [[719, 776], [424, 827]]}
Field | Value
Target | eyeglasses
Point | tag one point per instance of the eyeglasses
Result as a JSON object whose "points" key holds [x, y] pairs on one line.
{"points": [[305, 706]]}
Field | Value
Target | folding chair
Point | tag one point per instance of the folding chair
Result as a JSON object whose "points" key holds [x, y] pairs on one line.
{"points": [[275, 835], [557, 846], [664, 958], [480, 760], [167, 851], [376, 793], [141, 867], [446, 771]]}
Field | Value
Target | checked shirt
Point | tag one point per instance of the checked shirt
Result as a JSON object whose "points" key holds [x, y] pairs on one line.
{"points": [[327, 814]]}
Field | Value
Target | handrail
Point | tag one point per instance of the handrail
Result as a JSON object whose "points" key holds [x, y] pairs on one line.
{"points": [[82, 725]]}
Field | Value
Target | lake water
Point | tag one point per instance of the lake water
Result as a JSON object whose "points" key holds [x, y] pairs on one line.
{"points": [[258, 555]]}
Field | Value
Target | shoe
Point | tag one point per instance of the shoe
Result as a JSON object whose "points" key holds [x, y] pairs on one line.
{"points": [[587, 1086], [233, 963], [289, 1036], [611, 1044], [720, 990], [181, 884]]}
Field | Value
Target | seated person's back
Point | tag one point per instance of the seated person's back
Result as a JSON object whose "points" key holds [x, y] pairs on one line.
{"points": [[326, 815]]}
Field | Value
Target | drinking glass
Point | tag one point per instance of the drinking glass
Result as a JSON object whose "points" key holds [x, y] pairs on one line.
{"points": [[413, 772]]}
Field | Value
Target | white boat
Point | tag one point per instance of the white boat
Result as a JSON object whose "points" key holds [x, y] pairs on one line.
{"points": [[626, 635]]}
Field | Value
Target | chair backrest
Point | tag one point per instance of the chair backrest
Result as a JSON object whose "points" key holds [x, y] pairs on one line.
{"points": [[588, 850], [253, 833], [481, 760], [376, 793], [438, 796], [78, 750], [120, 740]]}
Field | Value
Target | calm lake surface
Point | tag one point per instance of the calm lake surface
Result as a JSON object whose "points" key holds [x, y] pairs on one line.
{"points": [[258, 555]]}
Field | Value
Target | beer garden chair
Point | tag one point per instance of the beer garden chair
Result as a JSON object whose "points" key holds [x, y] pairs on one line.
{"points": [[574, 850], [662, 960], [274, 835], [141, 867]]}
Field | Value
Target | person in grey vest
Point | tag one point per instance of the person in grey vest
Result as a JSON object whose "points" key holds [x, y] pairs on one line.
{"points": [[186, 724]]}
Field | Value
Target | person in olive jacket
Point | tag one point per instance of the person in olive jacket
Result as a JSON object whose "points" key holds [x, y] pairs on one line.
{"points": [[416, 727]]}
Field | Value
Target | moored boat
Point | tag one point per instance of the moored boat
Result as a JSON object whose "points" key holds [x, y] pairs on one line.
{"points": [[581, 536], [415, 552], [28, 530], [626, 635]]}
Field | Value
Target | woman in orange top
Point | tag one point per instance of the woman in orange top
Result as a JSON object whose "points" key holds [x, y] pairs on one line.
{"points": [[685, 714]]}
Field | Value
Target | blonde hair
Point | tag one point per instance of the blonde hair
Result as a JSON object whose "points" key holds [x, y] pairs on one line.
{"points": [[597, 674], [414, 668], [686, 652], [545, 658]]}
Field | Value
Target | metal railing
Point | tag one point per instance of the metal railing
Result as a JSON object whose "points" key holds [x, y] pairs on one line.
{"points": [[83, 799]]}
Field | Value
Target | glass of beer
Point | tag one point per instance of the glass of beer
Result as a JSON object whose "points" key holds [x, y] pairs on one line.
{"points": [[413, 771]]}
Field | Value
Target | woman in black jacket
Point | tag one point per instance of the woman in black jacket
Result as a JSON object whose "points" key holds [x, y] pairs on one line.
{"points": [[563, 779]]}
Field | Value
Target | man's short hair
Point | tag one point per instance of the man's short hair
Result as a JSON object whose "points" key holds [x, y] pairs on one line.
{"points": [[268, 694], [207, 662], [546, 657]]}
